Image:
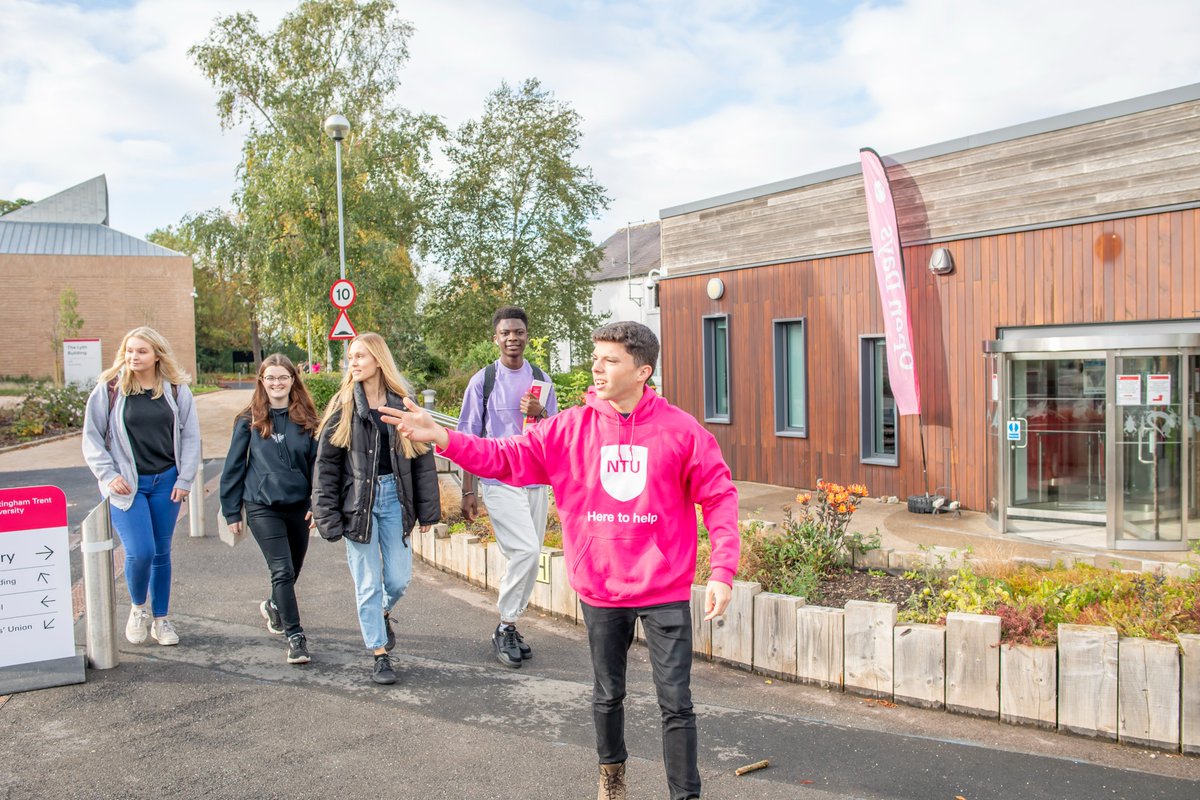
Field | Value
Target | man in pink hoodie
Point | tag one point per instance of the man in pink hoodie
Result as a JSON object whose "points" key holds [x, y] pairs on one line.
{"points": [[627, 469]]}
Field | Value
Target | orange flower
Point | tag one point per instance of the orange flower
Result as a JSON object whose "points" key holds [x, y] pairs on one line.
{"points": [[803, 499], [841, 509], [821, 484]]}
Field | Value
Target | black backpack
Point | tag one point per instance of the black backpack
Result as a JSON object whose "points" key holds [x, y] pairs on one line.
{"points": [[489, 383]]}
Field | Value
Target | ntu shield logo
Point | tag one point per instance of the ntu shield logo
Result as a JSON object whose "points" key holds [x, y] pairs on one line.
{"points": [[623, 470]]}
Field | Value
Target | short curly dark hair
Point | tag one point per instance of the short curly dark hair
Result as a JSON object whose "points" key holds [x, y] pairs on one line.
{"points": [[509, 312], [639, 341]]}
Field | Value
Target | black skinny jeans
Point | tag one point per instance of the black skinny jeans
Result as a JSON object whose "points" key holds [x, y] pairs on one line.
{"points": [[282, 535], [668, 630]]}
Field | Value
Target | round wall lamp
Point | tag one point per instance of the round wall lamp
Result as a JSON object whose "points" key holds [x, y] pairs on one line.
{"points": [[715, 288], [941, 262]]}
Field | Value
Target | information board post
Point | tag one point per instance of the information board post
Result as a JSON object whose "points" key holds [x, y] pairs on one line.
{"points": [[37, 632]]}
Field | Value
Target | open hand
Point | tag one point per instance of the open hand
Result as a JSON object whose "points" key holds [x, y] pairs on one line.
{"points": [[415, 424]]}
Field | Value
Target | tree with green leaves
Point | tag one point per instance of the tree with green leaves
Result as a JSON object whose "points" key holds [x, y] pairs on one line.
{"points": [[12, 205], [67, 325], [511, 224], [230, 305], [328, 56]]}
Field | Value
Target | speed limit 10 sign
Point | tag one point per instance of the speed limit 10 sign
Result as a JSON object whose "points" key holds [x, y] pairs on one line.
{"points": [[342, 294]]}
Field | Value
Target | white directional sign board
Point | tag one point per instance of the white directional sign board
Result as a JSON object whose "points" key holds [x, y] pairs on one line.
{"points": [[36, 618]]}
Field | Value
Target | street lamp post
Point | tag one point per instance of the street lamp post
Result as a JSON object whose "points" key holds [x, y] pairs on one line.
{"points": [[336, 128]]}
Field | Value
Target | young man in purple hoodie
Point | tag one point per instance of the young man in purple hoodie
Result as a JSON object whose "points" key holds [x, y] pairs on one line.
{"points": [[496, 403], [627, 469]]}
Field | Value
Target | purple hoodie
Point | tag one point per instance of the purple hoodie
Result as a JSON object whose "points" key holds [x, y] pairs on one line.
{"points": [[625, 490]]}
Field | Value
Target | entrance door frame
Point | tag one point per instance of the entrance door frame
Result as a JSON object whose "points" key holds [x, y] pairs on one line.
{"points": [[1111, 344]]}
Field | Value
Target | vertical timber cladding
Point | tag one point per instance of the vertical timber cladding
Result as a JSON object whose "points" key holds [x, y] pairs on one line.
{"points": [[1135, 268]]}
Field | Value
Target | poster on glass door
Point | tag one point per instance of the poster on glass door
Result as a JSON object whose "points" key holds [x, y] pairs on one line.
{"points": [[1158, 390], [1129, 390]]}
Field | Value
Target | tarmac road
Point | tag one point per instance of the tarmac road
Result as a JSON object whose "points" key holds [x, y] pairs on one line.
{"points": [[222, 716]]}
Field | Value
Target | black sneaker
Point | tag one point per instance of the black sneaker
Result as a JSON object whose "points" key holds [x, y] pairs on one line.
{"points": [[391, 634], [298, 649], [271, 615], [504, 641], [526, 650], [383, 672]]}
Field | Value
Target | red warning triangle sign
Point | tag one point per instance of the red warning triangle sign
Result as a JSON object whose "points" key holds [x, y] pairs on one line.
{"points": [[342, 329]]}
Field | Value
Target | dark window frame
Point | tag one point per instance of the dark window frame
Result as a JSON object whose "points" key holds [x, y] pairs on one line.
{"points": [[779, 332], [708, 329], [871, 451]]}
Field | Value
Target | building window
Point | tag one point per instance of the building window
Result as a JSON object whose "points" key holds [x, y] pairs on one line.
{"points": [[791, 378], [878, 405], [716, 369]]}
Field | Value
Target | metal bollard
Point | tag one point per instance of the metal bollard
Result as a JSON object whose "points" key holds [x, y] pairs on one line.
{"points": [[428, 397], [99, 589], [196, 504]]}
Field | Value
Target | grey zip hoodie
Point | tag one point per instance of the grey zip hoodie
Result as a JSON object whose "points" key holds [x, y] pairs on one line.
{"points": [[108, 459]]}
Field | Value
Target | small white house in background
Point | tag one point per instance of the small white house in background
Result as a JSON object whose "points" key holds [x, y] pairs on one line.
{"points": [[624, 285]]}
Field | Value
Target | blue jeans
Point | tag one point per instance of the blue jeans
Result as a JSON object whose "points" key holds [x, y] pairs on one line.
{"points": [[381, 568], [145, 531]]}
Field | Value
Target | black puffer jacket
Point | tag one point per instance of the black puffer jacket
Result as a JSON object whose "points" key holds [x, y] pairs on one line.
{"points": [[344, 482]]}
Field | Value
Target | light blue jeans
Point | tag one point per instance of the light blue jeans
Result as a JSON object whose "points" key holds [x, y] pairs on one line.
{"points": [[381, 568]]}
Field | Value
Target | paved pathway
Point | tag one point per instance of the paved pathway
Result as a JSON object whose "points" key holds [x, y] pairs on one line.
{"points": [[222, 716]]}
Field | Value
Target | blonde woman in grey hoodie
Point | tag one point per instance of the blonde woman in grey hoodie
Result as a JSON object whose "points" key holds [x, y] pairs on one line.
{"points": [[141, 440]]}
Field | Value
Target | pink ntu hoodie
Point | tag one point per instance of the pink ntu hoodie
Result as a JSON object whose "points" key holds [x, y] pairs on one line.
{"points": [[626, 490]]}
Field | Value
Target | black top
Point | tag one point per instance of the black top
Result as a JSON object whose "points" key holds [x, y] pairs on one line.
{"points": [[151, 428], [382, 456], [275, 471]]}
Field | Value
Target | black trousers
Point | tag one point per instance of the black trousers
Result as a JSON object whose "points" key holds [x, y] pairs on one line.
{"points": [[668, 630], [282, 535]]}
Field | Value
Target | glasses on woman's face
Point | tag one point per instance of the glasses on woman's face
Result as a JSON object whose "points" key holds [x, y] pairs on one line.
{"points": [[276, 378]]}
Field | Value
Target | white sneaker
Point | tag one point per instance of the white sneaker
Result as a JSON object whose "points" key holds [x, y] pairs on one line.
{"points": [[138, 625], [163, 631]]}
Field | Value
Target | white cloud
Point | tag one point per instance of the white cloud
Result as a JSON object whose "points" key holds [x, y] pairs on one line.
{"points": [[680, 100]]}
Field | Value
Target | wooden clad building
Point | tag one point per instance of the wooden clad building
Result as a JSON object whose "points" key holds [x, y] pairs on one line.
{"points": [[1074, 250]]}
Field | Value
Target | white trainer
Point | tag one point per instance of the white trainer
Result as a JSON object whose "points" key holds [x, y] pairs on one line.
{"points": [[138, 625], [163, 631]]}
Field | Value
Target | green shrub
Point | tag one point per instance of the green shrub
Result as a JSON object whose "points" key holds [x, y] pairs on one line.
{"points": [[569, 387], [322, 386], [48, 409], [1032, 602]]}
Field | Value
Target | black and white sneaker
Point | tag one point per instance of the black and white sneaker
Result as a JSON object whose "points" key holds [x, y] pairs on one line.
{"points": [[271, 614], [391, 634], [383, 672], [526, 650], [298, 649], [504, 642]]}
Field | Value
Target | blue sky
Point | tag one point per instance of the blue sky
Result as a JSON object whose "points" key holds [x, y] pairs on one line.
{"points": [[681, 100]]}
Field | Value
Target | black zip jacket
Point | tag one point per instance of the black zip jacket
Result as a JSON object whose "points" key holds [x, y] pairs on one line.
{"points": [[344, 483], [274, 471]]}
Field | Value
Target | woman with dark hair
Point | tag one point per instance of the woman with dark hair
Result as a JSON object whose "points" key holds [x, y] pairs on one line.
{"points": [[268, 475], [371, 487]]}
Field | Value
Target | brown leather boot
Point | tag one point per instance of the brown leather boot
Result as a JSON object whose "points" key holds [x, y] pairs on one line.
{"points": [[612, 782]]}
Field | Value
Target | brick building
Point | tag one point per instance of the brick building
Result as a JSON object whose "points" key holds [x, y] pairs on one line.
{"points": [[121, 281]]}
